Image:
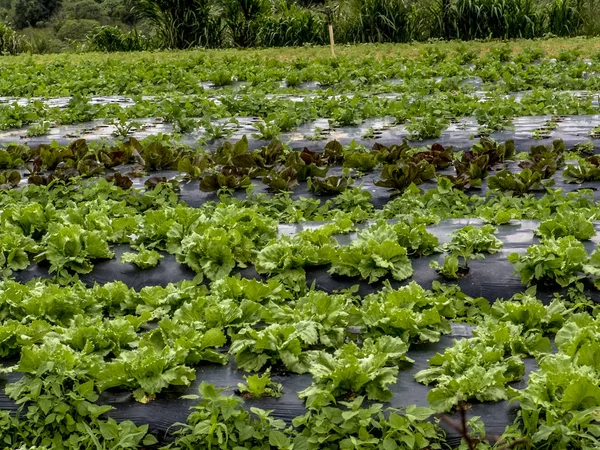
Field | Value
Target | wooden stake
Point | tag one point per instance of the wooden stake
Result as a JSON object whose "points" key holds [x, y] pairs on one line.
{"points": [[331, 42]]}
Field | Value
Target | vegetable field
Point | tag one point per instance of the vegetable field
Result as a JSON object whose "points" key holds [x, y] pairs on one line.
{"points": [[396, 248]]}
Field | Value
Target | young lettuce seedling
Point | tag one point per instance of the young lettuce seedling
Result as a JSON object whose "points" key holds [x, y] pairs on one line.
{"points": [[467, 243]]}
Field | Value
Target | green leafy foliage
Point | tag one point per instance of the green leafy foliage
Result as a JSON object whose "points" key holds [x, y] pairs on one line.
{"points": [[9, 179], [592, 267], [414, 237], [371, 260], [473, 166], [567, 223], [307, 164], [495, 151], [587, 169], [560, 260], [332, 427], [545, 160], [426, 127], [144, 259], [329, 185], [558, 407], [399, 177], [287, 257], [470, 171], [383, 249], [217, 181], [519, 183], [526, 310], [14, 156], [467, 243], [258, 386], [194, 166], [355, 370], [214, 247], [219, 421], [276, 345], [147, 370], [57, 406], [72, 248], [409, 312], [477, 368], [15, 249], [283, 180], [364, 162]]}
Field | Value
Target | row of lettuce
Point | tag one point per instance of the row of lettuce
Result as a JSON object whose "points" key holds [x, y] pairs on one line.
{"points": [[73, 343], [280, 169], [513, 68], [424, 115]]}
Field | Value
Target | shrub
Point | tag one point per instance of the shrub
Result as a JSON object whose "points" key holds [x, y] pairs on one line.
{"points": [[44, 40], [11, 43], [113, 39], [32, 12], [77, 30], [83, 9], [292, 25]]}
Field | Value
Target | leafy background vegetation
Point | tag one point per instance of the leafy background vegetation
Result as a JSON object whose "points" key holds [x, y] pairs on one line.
{"points": [[44, 26]]}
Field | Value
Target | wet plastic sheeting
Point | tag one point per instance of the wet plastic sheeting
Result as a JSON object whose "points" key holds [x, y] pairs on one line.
{"points": [[305, 91], [167, 271], [105, 271], [491, 278], [463, 134]]}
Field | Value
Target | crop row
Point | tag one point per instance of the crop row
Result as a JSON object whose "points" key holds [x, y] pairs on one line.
{"points": [[152, 75], [426, 117], [217, 240], [233, 167], [73, 343], [212, 279]]}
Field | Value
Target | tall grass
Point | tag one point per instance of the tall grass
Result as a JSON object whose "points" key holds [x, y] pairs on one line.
{"points": [[12, 43], [183, 23], [481, 19], [590, 23], [246, 23], [289, 24], [240, 18], [564, 17], [376, 21]]}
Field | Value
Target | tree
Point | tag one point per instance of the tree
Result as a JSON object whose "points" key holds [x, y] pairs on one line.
{"points": [[120, 11], [83, 9], [31, 12]]}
